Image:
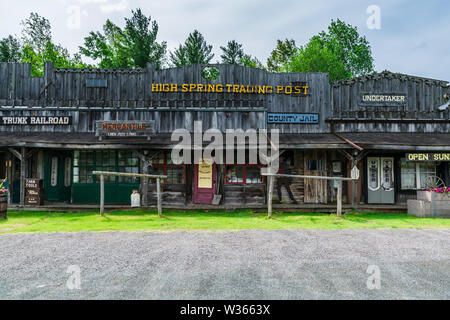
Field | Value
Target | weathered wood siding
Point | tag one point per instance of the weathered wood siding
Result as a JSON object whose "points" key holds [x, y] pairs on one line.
{"points": [[424, 96], [127, 95]]}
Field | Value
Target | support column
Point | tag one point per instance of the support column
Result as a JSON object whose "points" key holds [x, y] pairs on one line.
{"points": [[23, 168]]}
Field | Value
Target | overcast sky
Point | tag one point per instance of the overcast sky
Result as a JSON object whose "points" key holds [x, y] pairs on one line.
{"points": [[413, 38]]}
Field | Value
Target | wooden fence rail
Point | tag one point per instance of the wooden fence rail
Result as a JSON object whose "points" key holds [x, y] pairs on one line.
{"points": [[271, 177], [102, 175]]}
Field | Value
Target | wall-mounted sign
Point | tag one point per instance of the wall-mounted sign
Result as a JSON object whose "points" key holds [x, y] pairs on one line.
{"points": [[383, 100], [299, 89], [293, 118], [205, 172], [125, 128], [423, 157], [32, 120]]}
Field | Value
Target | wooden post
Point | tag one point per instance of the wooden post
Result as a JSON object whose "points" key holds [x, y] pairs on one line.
{"points": [[145, 164], [23, 168], [158, 191], [339, 199], [270, 195], [102, 195]]}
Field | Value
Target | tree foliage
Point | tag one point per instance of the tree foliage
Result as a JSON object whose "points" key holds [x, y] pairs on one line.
{"points": [[232, 53], [38, 47], [351, 48], [10, 50], [36, 32], [195, 50], [341, 51], [132, 47], [281, 55], [253, 62], [315, 57]]}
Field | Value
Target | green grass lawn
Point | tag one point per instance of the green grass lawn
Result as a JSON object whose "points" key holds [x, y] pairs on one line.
{"points": [[34, 221]]}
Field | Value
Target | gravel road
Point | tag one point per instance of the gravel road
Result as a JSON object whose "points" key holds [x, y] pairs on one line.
{"points": [[281, 264]]}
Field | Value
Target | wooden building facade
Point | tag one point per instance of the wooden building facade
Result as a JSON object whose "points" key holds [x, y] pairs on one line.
{"points": [[61, 127]]}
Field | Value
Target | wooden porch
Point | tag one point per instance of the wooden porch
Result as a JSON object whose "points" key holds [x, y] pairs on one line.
{"points": [[319, 208]]}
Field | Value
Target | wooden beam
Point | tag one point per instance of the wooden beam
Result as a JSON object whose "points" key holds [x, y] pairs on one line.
{"points": [[305, 177], [125, 174], [23, 168], [102, 195], [158, 194], [339, 199], [270, 195], [15, 153]]}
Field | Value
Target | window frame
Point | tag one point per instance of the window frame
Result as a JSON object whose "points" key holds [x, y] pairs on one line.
{"points": [[417, 173], [244, 174], [165, 166], [100, 167]]}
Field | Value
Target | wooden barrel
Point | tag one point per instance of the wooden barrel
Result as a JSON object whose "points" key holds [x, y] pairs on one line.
{"points": [[3, 205]]}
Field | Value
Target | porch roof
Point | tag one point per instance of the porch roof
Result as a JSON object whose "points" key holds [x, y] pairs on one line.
{"points": [[372, 141]]}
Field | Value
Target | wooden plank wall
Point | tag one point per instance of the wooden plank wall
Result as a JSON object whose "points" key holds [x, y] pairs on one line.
{"points": [[424, 96], [128, 96]]}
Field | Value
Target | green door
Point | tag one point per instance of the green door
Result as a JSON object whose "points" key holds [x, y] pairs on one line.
{"points": [[58, 176]]}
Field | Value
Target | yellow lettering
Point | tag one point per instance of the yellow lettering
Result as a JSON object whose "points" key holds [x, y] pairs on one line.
{"points": [[173, 88], [219, 88], [184, 88], [279, 89]]}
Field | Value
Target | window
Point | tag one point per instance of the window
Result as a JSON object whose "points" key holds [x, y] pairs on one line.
{"points": [[414, 175], [243, 174], [162, 164], [315, 165], [84, 162], [128, 162]]}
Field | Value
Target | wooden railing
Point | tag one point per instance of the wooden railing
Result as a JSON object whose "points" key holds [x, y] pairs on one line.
{"points": [[102, 175]]}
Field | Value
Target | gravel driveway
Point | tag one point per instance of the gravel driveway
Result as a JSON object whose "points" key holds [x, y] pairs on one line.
{"points": [[283, 264]]}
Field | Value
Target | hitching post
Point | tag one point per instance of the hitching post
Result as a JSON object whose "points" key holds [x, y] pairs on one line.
{"points": [[270, 195], [102, 195], [158, 192], [339, 198]]}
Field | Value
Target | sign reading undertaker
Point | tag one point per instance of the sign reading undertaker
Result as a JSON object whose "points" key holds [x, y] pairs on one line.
{"points": [[383, 100]]}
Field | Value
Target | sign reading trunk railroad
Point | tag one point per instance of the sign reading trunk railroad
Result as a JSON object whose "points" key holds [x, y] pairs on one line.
{"points": [[422, 157], [383, 100], [32, 120], [128, 128]]}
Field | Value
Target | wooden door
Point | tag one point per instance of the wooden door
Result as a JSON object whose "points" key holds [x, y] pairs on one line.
{"points": [[315, 165], [58, 176], [204, 183]]}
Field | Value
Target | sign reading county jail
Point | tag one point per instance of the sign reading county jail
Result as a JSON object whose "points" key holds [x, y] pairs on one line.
{"points": [[383, 100], [17, 121], [293, 118], [421, 157]]}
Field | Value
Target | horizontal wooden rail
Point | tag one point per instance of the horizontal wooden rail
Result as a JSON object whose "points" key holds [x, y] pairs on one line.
{"points": [[124, 174], [272, 177], [102, 175], [307, 177]]}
